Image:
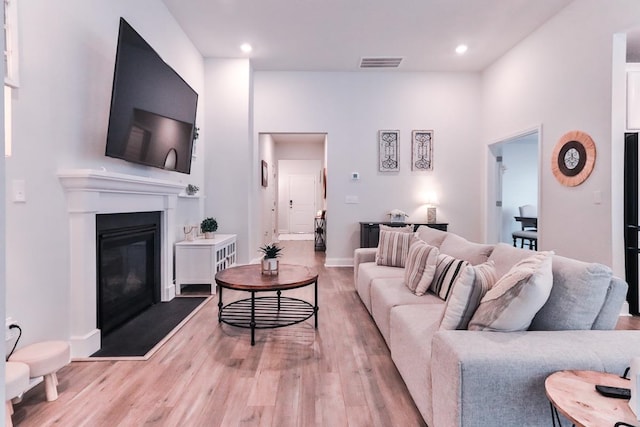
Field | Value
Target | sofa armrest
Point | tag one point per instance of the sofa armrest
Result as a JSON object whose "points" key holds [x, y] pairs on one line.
{"points": [[361, 255], [492, 378]]}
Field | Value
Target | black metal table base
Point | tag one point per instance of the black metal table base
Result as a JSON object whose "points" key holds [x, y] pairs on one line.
{"points": [[267, 312]]}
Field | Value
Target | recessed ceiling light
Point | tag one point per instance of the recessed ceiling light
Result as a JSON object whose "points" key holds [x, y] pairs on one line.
{"points": [[246, 47], [461, 49]]}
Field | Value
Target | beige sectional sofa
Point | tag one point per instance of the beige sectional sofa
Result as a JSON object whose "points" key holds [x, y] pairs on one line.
{"points": [[481, 378]]}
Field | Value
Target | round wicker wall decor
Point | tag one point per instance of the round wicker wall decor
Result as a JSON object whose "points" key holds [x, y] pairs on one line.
{"points": [[573, 158]]}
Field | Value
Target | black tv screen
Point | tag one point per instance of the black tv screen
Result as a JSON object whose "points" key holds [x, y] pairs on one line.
{"points": [[153, 110]]}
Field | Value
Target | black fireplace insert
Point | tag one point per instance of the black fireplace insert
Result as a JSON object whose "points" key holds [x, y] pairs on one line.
{"points": [[128, 266]]}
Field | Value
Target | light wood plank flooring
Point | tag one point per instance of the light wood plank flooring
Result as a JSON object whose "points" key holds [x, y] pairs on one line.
{"points": [[209, 375]]}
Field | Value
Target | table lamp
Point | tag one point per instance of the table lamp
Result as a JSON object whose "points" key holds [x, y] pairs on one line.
{"points": [[431, 202]]}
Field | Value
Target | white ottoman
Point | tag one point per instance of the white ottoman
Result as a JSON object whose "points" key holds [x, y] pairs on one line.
{"points": [[16, 382], [44, 360]]}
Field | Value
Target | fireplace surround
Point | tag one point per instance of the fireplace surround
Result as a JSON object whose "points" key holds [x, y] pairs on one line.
{"points": [[93, 192]]}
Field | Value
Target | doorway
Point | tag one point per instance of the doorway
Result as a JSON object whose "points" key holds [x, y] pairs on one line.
{"points": [[513, 182], [293, 194]]}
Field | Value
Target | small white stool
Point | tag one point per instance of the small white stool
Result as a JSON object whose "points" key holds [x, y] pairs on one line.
{"points": [[16, 382], [44, 360]]}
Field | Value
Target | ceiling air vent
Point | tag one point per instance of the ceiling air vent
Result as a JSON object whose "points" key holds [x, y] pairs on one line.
{"points": [[380, 62]]}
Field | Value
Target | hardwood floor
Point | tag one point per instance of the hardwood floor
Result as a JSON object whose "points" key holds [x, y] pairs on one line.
{"points": [[209, 375]]}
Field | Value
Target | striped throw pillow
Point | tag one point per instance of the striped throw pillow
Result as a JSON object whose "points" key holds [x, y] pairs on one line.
{"points": [[448, 269], [393, 248], [471, 285], [420, 267]]}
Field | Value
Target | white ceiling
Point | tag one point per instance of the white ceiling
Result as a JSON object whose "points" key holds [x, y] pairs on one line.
{"points": [[335, 34]]}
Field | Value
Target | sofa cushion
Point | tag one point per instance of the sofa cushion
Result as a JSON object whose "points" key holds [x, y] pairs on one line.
{"points": [[461, 248], [577, 296], [448, 269], [430, 235], [506, 256], [420, 266], [389, 293], [516, 297], [393, 247], [610, 313], [412, 329], [403, 229], [369, 271], [472, 284]]}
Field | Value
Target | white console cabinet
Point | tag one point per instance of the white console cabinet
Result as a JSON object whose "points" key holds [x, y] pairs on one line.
{"points": [[198, 261]]}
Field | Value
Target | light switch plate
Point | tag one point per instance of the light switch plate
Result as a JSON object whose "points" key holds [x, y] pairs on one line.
{"points": [[351, 199], [19, 191]]}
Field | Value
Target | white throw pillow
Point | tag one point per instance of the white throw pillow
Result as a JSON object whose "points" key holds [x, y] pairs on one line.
{"points": [[516, 297], [420, 266], [471, 285]]}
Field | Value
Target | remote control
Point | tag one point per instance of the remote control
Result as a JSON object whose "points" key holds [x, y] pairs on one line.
{"points": [[615, 392]]}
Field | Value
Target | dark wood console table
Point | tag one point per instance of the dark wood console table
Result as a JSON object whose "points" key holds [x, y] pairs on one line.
{"points": [[370, 231]]}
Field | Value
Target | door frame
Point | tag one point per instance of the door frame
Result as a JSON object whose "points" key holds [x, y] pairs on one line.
{"points": [[493, 213]]}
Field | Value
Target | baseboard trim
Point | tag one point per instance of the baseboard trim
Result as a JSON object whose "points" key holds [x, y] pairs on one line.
{"points": [[338, 262], [85, 345]]}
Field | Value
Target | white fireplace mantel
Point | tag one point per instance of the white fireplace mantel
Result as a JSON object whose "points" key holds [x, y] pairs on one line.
{"points": [[92, 192]]}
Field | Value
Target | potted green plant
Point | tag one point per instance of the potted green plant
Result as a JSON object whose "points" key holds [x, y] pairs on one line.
{"points": [[208, 226], [270, 258]]}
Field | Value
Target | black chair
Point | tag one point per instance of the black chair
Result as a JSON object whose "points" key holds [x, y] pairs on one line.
{"points": [[528, 233]]}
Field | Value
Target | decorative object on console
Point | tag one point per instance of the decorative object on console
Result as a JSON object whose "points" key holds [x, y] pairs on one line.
{"points": [[265, 174], [397, 215], [431, 202], [209, 226], [422, 150], [573, 158], [270, 259], [189, 232], [192, 189], [388, 147]]}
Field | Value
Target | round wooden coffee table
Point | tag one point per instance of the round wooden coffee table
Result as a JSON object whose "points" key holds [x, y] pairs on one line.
{"points": [[573, 394], [266, 312]]}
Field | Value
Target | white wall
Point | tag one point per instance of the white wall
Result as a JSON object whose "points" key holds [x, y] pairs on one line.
{"points": [[268, 194], [60, 115], [232, 174], [351, 108], [3, 252], [561, 77]]}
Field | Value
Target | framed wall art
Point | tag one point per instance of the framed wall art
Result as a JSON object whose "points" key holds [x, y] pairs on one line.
{"points": [[422, 150], [388, 150], [265, 174]]}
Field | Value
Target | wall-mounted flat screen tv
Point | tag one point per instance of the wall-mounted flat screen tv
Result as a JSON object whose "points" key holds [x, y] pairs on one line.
{"points": [[153, 110]]}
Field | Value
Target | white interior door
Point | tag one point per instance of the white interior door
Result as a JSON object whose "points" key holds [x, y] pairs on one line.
{"points": [[302, 209]]}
